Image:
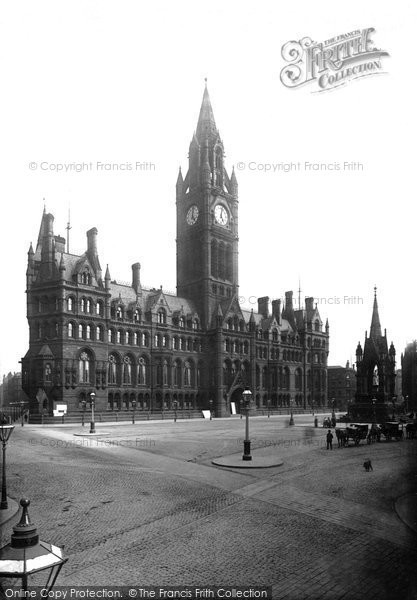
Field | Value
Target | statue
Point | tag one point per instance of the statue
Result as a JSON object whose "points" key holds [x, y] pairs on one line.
{"points": [[375, 377]]}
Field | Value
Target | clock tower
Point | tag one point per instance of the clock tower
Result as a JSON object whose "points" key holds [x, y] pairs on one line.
{"points": [[207, 222]]}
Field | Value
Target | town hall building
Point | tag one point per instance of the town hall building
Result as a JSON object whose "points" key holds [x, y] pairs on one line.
{"points": [[134, 346]]}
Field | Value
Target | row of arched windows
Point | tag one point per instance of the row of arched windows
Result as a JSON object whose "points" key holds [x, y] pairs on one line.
{"points": [[235, 346], [85, 305], [131, 371]]}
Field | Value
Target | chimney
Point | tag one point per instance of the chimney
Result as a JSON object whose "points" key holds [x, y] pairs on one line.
{"points": [[276, 310], [263, 306], [92, 241], [136, 278], [309, 306]]}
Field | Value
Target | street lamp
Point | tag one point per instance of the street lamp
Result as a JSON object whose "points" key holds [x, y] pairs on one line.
{"points": [[374, 410], [333, 413], [291, 412], [26, 554], [92, 401], [246, 401], [211, 409], [175, 406], [5, 433], [134, 408]]}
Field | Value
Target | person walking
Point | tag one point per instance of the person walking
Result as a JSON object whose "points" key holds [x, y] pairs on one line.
{"points": [[329, 440]]}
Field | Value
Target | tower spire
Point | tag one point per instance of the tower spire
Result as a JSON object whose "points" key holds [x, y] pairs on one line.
{"points": [[375, 331], [206, 126]]}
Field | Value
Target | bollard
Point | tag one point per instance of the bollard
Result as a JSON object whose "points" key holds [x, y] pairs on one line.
{"points": [[316, 422]]}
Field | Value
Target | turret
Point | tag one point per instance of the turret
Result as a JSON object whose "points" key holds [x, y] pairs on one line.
{"points": [[30, 271], [233, 183], [180, 184]]}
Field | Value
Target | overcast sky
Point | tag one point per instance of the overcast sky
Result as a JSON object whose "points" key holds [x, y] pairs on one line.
{"points": [[122, 82]]}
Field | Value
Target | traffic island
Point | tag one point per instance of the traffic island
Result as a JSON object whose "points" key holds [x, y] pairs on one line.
{"points": [[95, 434], [235, 461]]}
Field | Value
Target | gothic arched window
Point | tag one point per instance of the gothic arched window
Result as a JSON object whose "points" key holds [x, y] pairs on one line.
{"points": [[112, 370], [127, 370], [84, 364]]}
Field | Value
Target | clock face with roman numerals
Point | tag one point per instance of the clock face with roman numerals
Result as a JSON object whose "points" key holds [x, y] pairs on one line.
{"points": [[192, 215], [221, 215]]}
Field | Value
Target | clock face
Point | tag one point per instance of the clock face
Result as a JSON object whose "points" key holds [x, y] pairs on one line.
{"points": [[192, 215], [221, 215]]}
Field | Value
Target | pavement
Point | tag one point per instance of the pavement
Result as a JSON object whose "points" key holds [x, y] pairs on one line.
{"points": [[144, 505]]}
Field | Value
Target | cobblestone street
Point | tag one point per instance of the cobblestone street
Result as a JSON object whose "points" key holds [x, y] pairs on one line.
{"points": [[143, 505]]}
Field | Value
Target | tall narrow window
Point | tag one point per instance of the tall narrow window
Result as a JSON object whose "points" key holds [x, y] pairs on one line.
{"points": [[70, 330], [48, 373], [84, 368], [127, 370], [112, 369]]}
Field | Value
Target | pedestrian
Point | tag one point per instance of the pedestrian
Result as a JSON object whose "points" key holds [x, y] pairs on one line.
{"points": [[329, 440]]}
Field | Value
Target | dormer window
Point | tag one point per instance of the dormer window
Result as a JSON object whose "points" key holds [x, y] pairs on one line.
{"points": [[181, 322], [162, 317], [136, 316], [86, 278]]}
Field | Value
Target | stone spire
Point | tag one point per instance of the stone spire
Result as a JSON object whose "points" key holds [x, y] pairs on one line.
{"points": [[375, 323], [206, 126]]}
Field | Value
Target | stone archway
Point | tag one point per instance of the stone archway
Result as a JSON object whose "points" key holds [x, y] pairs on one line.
{"points": [[236, 397]]}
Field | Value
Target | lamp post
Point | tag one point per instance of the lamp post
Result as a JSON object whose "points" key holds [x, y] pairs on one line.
{"points": [[5, 433], [246, 401], [374, 411], [333, 413], [84, 407], [291, 412], [268, 404], [211, 409], [27, 554], [175, 406], [92, 424]]}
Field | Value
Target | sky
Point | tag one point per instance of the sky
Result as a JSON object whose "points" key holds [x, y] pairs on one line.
{"points": [[101, 83]]}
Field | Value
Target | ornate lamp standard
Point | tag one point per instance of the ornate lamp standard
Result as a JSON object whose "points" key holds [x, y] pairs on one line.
{"points": [[246, 401], [26, 554], [333, 413], [5, 433], [291, 412], [374, 411], [134, 403], [175, 406], [84, 407], [211, 409], [92, 401]]}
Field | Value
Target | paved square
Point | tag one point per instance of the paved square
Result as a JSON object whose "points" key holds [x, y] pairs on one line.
{"points": [[144, 505]]}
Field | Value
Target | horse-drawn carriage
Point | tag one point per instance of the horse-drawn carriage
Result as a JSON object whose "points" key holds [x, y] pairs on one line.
{"points": [[354, 431], [411, 430], [392, 429]]}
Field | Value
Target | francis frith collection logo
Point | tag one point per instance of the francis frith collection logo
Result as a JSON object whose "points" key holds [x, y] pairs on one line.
{"points": [[332, 63]]}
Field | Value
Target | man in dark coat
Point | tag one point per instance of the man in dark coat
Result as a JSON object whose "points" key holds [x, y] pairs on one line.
{"points": [[329, 440]]}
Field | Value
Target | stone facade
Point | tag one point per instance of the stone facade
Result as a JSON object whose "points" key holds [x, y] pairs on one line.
{"points": [[126, 343]]}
